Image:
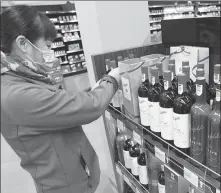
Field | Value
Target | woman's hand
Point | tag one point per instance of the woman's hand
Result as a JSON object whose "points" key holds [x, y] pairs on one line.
{"points": [[116, 74]]}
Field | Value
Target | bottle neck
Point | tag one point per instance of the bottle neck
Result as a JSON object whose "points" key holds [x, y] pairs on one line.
{"points": [[154, 80], [201, 90], [216, 78], [182, 88], [167, 84], [144, 77]]}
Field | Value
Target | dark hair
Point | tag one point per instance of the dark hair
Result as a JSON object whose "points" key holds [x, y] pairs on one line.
{"points": [[24, 20]]}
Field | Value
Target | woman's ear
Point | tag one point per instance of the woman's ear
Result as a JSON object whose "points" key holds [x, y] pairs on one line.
{"points": [[21, 42]]}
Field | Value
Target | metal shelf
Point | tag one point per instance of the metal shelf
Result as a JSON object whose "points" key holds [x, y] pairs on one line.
{"points": [[58, 12], [65, 22], [73, 40], [168, 157], [71, 73], [68, 31], [54, 47], [74, 51]]}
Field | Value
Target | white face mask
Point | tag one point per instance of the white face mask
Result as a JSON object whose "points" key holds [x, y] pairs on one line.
{"points": [[48, 55]]}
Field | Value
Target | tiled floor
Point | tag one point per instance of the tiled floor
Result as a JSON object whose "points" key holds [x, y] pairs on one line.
{"points": [[15, 180]]}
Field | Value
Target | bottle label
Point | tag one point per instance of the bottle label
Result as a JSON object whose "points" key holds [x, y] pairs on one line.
{"points": [[217, 95], [144, 114], [134, 166], [154, 109], [161, 188], [213, 150], [126, 88], [180, 88], [166, 84], [143, 77], [199, 89], [143, 176], [153, 81], [216, 78], [182, 126], [127, 159], [166, 123]]}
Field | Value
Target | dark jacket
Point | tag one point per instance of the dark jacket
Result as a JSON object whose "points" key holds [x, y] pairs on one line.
{"points": [[42, 125]]}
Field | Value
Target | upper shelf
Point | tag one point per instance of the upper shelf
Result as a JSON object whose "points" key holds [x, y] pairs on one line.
{"points": [[59, 12]]}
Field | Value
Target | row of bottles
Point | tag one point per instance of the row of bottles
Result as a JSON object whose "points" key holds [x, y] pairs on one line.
{"points": [[176, 109]]}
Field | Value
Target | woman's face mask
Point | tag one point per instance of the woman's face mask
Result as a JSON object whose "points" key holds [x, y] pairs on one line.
{"points": [[47, 55]]}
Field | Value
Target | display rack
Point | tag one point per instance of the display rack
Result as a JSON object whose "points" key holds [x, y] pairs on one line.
{"points": [[68, 44], [158, 12]]}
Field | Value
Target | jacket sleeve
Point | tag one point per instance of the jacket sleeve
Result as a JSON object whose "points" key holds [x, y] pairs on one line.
{"points": [[42, 108]]}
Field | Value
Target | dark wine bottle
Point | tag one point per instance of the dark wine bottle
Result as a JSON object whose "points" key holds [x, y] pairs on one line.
{"points": [[166, 109], [161, 181], [213, 141], [127, 161], [159, 65], [134, 154], [199, 117], [181, 117], [143, 98], [171, 68], [200, 73], [212, 87], [154, 93], [108, 66], [142, 167], [190, 84]]}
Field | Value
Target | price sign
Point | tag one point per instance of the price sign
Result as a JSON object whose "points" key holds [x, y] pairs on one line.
{"points": [[119, 170], [120, 125], [159, 154], [136, 137], [191, 177], [107, 115]]}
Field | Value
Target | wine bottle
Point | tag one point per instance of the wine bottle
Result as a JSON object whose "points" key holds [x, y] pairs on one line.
{"points": [[120, 139], [199, 117], [107, 64], [200, 73], [166, 109], [154, 108], [212, 87], [143, 98], [190, 84], [142, 168], [181, 116], [161, 181], [159, 65], [134, 154], [213, 140], [116, 98], [171, 68], [127, 146]]}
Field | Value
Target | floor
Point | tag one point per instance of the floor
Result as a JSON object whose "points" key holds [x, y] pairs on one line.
{"points": [[15, 180]]}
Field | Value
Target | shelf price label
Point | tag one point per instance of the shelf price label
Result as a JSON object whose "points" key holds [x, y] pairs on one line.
{"points": [[118, 170], [160, 154], [136, 137], [191, 177], [107, 115], [120, 125]]}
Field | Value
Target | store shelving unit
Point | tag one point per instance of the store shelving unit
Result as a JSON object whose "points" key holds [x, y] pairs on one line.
{"points": [[72, 60], [157, 13]]}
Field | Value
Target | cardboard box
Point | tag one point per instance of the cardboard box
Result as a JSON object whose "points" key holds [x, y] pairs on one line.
{"points": [[175, 183], [130, 82], [151, 60]]}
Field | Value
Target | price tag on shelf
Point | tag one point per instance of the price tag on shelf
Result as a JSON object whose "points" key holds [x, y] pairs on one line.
{"points": [[107, 115], [120, 125], [159, 154], [127, 181], [119, 170], [136, 137], [191, 177]]}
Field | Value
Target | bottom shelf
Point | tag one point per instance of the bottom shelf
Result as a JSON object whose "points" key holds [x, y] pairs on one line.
{"points": [[75, 72]]}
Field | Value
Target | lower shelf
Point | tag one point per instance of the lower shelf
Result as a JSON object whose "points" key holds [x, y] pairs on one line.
{"points": [[75, 72]]}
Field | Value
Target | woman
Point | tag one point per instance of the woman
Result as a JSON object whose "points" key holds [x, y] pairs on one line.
{"points": [[39, 120]]}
